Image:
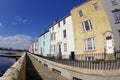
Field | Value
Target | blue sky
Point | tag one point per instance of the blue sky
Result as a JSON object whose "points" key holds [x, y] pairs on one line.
{"points": [[28, 18]]}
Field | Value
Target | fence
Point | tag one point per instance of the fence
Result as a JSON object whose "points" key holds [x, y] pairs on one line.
{"points": [[97, 64]]}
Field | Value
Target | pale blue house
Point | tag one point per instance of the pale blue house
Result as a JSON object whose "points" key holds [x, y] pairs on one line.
{"points": [[44, 43]]}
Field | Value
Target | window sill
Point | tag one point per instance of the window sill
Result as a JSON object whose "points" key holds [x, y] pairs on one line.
{"points": [[89, 50], [117, 22], [88, 31]]}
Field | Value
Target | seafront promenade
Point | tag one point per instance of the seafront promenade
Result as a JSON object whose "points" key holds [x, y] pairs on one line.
{"points": [[33, 67]]}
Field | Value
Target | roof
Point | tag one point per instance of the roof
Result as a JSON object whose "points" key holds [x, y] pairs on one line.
{"points": [[45, 31], [81, 4], [60, 20]]}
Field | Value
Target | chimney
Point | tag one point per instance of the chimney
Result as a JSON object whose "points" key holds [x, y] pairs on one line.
{"points": [[55, 21]]}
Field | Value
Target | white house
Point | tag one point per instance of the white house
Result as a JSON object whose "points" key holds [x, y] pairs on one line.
{"points": [[62, 37]]}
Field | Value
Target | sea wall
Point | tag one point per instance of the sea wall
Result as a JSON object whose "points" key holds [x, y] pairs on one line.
{"points": [[16, 71]]}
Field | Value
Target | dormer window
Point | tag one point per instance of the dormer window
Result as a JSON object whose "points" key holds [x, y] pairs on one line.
{"points": [[59, 24]]}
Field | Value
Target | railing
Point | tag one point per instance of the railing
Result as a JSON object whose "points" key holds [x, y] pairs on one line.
{"points": [[97, 64]]}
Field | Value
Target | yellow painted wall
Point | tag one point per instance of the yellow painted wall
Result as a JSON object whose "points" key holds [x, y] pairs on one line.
{"points": [[100, 25]]}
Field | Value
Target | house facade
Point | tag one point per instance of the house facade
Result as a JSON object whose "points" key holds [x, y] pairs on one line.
{"points": [[95, 32], [62, 38], [44, 43], [112, 10]]}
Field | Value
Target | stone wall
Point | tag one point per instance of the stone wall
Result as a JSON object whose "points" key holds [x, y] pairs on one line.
{"points": [[16, 71], [75, 73]]}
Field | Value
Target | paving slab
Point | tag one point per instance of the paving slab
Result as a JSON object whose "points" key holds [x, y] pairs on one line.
{"points": [[37, 71]]}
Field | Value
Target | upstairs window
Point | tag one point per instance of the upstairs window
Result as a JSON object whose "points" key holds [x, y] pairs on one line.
{"points": [[64, 34], [119, 32], [64, 21], [95, 5], [53, 28], [114, 2], [116, 14], [53, 36], [87, 25], [89, 44], [59, 24], [80, 13]]}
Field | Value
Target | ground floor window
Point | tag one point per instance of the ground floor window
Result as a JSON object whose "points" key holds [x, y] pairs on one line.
{"points": [[65, 47]]}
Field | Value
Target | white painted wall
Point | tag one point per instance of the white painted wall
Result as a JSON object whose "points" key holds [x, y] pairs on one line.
{"points": [[60, 39]]}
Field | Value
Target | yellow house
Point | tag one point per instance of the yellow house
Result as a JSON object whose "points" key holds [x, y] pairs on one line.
{"points": [[92, 31]]}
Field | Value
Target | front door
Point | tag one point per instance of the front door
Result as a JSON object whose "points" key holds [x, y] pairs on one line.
{"points": [[109, 45], [60, 53]]}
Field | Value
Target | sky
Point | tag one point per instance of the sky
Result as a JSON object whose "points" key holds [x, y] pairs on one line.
{"points": [[21, 21]]}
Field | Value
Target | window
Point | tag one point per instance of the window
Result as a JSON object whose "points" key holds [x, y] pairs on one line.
{"points": [[44, 36], [43, 43], [80, 13], [65, 47], [64, 34], [52, 28], [119, 32], [108, 37], [87, 25], [89, 44], [64, 21], [95, 5], [114, 2], [116, 14], [59, 24], [53, 36]]}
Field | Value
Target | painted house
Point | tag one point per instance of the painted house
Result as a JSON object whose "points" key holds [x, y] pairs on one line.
{"points": [[62, 38], [96, 25], [35, 48], [44, 43]]}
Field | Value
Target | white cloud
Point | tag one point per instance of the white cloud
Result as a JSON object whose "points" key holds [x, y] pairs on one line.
{"points": [[14, 23], [1, 25], [19, 20], [17, 41]]}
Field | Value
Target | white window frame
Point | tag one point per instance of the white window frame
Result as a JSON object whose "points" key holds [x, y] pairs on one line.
{"points": [[65, 47], [86, 46], [84, 27]]}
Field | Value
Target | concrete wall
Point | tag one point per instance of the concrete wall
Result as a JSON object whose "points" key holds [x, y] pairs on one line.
{"points": [[100, 25], [59, 38], [83, 74], [109, 7], [44, 44], [17, 71]]}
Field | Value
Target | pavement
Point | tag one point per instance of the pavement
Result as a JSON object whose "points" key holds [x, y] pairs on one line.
{"points": [[37, 71]]}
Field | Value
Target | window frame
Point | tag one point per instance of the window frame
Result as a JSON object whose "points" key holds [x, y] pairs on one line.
{"points": [[80, 13], [95, 6], [65, 47], [64, 21], [116, 15], [88, 46], [64, 33], [85, 27], [114, 2]]}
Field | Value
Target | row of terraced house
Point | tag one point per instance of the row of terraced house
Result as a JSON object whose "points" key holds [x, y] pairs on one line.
{"points": [[91, 31]]}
